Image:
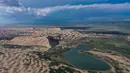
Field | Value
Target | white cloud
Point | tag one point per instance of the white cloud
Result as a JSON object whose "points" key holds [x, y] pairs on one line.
{"points": [[127, 19], [47, 10]]}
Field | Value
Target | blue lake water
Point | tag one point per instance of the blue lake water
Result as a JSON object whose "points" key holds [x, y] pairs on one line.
{"points": [[85, 61]]}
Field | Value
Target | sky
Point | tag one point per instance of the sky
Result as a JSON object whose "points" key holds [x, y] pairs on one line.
{"points": [[62, 12]]}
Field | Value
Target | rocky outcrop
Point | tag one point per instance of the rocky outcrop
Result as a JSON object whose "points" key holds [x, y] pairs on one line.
{"points": [[128, 38], [30, 41]]}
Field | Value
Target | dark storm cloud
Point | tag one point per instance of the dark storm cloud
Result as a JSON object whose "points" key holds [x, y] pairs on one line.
{"points": [[10, 2]]}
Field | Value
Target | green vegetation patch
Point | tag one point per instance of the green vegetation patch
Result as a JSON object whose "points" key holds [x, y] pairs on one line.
{"points": [[63, 70], [120, 45]]}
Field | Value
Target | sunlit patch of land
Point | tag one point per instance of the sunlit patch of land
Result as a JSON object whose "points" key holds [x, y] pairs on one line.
{"points": [[28, 50]]}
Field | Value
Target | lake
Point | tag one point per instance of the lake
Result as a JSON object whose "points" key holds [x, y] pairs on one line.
{"points": [[85, 61]]}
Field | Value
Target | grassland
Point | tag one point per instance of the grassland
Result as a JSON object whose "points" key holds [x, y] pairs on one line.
{"points": [[120, 45]]}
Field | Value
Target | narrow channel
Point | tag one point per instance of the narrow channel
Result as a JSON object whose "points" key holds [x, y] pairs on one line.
{"points": [[85, 61]]}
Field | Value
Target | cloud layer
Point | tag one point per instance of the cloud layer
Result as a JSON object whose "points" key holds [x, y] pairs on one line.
{"points": [[62, 14], [125, 7], [10, 2], [51, 3]]}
